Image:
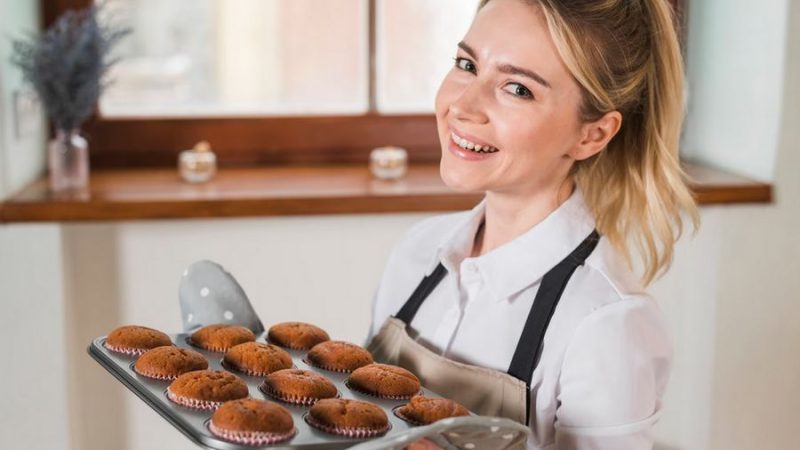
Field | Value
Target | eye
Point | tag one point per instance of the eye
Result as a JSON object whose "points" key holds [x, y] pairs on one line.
{"points": [[465, 65], [518, 90]]}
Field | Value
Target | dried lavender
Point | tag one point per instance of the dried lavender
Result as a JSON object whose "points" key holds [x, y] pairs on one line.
{"points": [[67, 63]]}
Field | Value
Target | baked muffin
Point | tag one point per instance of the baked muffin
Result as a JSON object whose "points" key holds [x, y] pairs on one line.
{"points": [[257, 359], [220, 337], [345, 417], [425, 410], [169, 362], [252, 422], [134, 340], [296, 335], [338, 356], [206, 389], [299, 387], [385, 381]]}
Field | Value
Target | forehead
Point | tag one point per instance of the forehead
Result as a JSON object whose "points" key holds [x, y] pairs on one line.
{"points": [[515, 32]]}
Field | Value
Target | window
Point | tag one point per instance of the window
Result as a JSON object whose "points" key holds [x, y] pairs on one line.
{"points": [[275, 81]]}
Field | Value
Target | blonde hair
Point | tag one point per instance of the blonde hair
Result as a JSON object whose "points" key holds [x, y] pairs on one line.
{"points": [[626, 57]]}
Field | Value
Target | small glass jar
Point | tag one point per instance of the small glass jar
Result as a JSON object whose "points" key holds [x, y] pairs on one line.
{"points": [[68, 159], [388, 163], [199, 164]]}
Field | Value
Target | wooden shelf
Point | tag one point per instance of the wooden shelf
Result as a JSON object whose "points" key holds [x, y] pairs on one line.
{"points": [[276, 191]]}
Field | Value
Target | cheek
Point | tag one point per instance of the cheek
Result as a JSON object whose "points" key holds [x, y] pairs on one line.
{"points": [[534, 134]]}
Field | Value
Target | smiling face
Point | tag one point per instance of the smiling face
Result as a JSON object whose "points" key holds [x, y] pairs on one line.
{"points": [[508, 90]]}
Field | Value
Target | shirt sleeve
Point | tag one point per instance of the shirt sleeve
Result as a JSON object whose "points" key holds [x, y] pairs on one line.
{"points": [[613, 377]]}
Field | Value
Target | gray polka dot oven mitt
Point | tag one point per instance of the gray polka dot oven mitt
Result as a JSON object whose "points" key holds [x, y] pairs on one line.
{"points": [[458, 433], [209, 294]]}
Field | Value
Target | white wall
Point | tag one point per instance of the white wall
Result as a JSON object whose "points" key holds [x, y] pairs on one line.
{"points": [[756, 391], [735, 60], [31, 293], [732, 298]]}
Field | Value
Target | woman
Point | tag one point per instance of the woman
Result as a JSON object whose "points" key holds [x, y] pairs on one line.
{"points": [[567, 115]]}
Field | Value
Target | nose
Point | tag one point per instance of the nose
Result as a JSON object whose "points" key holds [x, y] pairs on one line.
{"points": [[469, 105]]}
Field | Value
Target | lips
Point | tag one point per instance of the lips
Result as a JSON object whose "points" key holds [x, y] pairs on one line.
{"points": [[471, 143], [466, 154]]}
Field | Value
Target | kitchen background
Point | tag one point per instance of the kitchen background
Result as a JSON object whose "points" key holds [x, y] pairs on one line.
{"points": [[732, 297]]}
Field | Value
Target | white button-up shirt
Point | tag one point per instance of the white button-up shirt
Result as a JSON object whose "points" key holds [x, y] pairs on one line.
{"points": [[606, 355]]}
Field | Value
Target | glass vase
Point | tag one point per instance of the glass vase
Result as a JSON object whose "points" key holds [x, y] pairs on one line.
{"points": [[68, 158]]}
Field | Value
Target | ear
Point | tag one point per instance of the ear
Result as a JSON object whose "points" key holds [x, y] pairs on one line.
{"points": [[596, 136]]}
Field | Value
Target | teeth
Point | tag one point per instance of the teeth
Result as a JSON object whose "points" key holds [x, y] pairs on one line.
{"points": [[465, 144]]}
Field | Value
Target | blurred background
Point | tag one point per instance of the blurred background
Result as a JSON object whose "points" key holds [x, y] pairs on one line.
{"points": [[732, 297]]}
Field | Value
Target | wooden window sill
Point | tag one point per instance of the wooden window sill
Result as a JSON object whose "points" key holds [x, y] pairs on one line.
{"points": [[278, 191]]}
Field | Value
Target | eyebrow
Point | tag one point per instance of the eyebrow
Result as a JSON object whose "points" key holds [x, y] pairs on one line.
{"points": [[508, 68]]}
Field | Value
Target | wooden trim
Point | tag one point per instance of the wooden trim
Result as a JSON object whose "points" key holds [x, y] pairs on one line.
{"points": [[249, 141], [150, 194], [51, 9]]}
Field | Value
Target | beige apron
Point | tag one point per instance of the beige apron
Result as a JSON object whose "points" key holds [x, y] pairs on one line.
{"points": [[483, 391]]}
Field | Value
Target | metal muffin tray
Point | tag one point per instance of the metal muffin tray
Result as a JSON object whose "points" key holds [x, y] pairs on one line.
{"points": [[194, 424]]}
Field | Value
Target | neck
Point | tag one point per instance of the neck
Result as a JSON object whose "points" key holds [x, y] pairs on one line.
{"points": [[509, 215]]}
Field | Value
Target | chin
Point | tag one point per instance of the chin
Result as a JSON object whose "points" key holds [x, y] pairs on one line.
{"points": [[461, 180]]}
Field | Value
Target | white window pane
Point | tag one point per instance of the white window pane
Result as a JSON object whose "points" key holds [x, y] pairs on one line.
{"points": [[416, 44], [239, 57]]}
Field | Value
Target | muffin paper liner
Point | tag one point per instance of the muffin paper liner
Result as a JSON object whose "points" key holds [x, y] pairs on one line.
{"points": [[209, 348], [130, 351], [349, 432], [291, 347], [156, 376], [385, 397], [291, 399], [251, 438], [232, 368], [329, 369], [397, 412], [192, 403]]}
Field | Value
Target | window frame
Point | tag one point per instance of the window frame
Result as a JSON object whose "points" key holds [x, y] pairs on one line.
{"points": [[272, 140]]}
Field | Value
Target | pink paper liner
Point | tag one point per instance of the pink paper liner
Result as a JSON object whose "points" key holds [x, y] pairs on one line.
{"points": [[385, 397], [208, 349], [349, 432], [396, 412], [251, 438], [252, 373], [155, 376], [290, 399], [290, 347], [329, 369], [192, 403], [130, 351]]}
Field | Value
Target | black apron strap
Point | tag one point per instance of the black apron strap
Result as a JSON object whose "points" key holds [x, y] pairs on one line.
{"points": [[426, 286], [529, 347]]}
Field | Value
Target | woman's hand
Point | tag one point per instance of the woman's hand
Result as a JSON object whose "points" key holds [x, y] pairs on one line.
{"points": [[423, 444]]}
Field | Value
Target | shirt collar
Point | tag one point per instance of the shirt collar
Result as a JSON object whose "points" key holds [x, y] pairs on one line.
{"points": [[457, 244], [520, 263]]}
